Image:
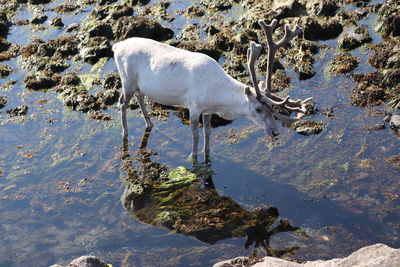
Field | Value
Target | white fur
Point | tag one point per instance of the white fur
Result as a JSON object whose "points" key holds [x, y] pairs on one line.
{"points": [[176, 77]]}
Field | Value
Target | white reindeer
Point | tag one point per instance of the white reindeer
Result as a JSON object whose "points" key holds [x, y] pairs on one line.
{"points": [[176, 77]]}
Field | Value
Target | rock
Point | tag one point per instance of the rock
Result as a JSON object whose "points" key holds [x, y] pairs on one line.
{"points": [[141, 27], [322, 7], [375, 127], [316, 28], [291, 8], [389, 15], [4, 24], [304, 127], [18, 111], [353, 36], [38, 17], [70, 79], [92, 49], [56, 22], [4, 44], [216, 5], [108, 97], [41, 80], [112, 81], [72, 27], [38, 2], [66, 8], [3, 101], [205, 48], [370, 256], [102, 29], [158, 10], [5, 71], [87, 261], [343, 63], [393, 120]]}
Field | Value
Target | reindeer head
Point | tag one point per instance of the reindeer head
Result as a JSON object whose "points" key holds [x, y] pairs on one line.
{"points": [[264, 103]]}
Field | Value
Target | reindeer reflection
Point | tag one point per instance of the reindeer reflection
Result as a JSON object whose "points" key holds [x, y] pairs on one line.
{"points": [[188, 203]]}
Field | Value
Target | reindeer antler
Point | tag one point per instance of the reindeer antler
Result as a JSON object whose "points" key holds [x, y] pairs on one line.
{"points": [[298, 106], [253, 52]]}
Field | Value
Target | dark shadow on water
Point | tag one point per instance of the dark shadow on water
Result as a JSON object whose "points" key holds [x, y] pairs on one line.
{"points": [[187, 203]]}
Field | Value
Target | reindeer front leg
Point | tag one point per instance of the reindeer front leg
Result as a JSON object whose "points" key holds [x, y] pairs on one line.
{"points": [[142, 105], [194, 123]]}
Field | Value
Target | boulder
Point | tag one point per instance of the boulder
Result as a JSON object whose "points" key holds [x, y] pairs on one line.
{"points": [[370, 256]]}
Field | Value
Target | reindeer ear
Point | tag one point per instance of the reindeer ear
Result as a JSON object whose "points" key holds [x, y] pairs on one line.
{"points": [[247, 91]]}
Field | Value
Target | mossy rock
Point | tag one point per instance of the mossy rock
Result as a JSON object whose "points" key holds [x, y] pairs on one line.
{"points": [[343, 63], [5, 71], [41, 80]]}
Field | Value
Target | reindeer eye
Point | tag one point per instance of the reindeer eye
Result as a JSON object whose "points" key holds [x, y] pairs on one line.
{"points": [[259, 110]]}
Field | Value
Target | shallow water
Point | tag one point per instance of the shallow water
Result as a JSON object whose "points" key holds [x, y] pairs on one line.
{"points": [[61, 178]]}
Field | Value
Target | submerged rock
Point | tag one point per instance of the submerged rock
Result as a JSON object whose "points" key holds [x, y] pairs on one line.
{"points": [[317, 28], [18, 111], [343, 63]]}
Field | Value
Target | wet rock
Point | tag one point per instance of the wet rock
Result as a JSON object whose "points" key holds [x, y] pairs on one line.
{"points": [[353, 36], [66, 8], [65, 46], [3, 101], [105, 2], [291, 8], [375, 127], [158, 10], [38, 17], [87, 261], [72, 27], [302, 57], [386, 55], [394, 161], [99, 116], [197, 46], [316, 28], [112, 81], [194, 11], [364, 95], [56, 22], [109, 14], [216, 5], [93, 49], [141, 27], [18, 111], [4, 44], [308, 127], [70, 79], [79, 100], [5, 71], [389, 15], [391, 78], [393, 120], [101, 29], [322, 7], [108, 97], [4, 24], [41, 80], [136, 2], [38, 2], [280, 81], [343, 63], [13, 51]]}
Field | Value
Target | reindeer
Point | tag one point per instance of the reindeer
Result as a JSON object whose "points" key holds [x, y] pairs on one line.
{"points": [[176, 77]]}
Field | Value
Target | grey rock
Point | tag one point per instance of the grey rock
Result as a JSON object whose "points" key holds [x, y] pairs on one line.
{"points": [[393, 120], [87, 261], [370, 256]]}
